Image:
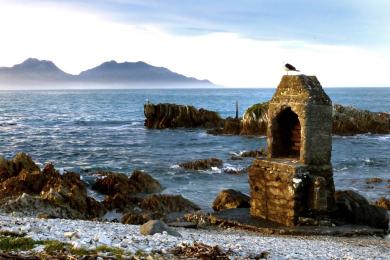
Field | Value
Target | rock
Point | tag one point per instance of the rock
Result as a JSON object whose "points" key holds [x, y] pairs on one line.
{"points": [[45, 192], [139, 182], [383, 203], [202, 164], [136, 218], [374, 180], [231, 126], [255, 120], [254, 154], [69, 191], [33, 206], [234, 171], [348, 120], [183, 224], [123, 193], [171, 116], [121, 201], [112, 183], [157, 226], [13, 167], [356, 210], [229, 199], [163, 204], [22, 161], [145, 183]]}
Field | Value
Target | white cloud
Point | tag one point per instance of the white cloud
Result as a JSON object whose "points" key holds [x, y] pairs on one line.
{"points": [[76, 40]]}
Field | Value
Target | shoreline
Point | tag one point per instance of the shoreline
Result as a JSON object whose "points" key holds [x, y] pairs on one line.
{"points": [[238, 243]]}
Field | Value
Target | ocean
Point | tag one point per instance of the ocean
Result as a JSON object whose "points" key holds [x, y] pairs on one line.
{"points": [[86, 130]]}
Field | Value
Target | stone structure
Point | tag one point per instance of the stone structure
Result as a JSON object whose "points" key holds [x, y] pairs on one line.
{"points": [[296, 178]]}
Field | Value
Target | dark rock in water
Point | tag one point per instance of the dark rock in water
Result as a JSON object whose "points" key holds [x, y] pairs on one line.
{"points": [[230, 199], [234, 171], [157, 226], [383, 203], [202, 164], [231, 126], [348, 120], [374, 180], [164, 204], [356, 210], [171, 116], [145, 183], [254, 154], [123, 193], [112, 183]]}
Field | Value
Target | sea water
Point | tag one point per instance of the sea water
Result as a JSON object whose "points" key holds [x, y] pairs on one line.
{"points": [[87, 130]]}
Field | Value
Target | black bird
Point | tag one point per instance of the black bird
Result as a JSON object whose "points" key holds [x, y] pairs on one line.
{"points": [[288, 67]]}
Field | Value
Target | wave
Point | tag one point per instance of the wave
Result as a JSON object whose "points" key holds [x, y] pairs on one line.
{"points": [[6, 124], [105, 123]]}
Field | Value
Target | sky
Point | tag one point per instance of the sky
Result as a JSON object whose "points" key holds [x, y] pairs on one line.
{"points": [[345, 43]]}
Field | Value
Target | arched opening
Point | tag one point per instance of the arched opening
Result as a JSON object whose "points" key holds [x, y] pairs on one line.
{"points": [[286, 133]]}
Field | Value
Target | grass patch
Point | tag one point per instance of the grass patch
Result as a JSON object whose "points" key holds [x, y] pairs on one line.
{"points": [[7, 233], [14, 243], [112, 250], [257, 109], [54, 246], [17, 243]]}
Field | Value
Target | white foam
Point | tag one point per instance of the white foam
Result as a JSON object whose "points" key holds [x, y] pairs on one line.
{"points": [[175, 166]]}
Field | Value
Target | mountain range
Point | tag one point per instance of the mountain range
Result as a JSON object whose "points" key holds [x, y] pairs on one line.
{"points": [[34, 71]]}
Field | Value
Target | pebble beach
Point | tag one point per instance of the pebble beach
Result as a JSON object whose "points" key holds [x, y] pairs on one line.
{"points": [[239, 244]]}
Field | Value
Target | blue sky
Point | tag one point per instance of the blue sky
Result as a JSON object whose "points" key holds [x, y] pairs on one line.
{"points": [[331, 22], [310, 34]]}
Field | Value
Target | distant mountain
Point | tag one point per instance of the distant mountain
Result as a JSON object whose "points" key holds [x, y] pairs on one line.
{"points": [[33, 71], [133, 73]]}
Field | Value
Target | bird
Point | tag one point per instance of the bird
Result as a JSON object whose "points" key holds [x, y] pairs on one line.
{"points": [[288, 67]]}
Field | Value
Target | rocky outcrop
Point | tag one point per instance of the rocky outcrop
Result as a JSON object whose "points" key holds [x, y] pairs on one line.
{"points": [[202, 164], [355, 209], [45, 192], [230, 199], [172, 116], [10, 168], [231, 126], [165, 203], [144, 183], [133, 197], [27, 190], [255, 120], [383, 203], [346, 121], [158, 206]]}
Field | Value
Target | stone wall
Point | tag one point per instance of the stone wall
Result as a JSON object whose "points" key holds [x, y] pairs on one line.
{"points": [[278, 190], [305, 97], [296, 179]]}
